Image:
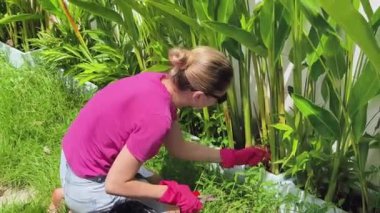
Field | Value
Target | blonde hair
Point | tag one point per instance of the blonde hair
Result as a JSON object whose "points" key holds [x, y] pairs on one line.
{"points": [[202, 68]]}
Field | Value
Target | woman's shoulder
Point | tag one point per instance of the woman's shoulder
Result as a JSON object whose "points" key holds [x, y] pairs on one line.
{"points": [[148, 90], [154, 75]]}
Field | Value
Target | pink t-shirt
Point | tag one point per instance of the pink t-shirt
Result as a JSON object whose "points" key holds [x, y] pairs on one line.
{"points": [[136, 112]]}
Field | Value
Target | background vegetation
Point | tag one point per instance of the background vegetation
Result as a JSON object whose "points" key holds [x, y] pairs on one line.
{"points": [[329, 47]]}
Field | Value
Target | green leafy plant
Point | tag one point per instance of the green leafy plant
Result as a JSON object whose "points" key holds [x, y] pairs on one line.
{"points": [[345, 123], [89, 54], [20, 21]]}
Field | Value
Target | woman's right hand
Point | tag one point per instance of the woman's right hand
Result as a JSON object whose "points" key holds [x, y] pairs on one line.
{"points": [[248, 156], [181, 196]]}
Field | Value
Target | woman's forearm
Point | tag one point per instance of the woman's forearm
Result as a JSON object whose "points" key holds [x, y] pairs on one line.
{"points": [[197, 152], [136, 189], [181, 149]]}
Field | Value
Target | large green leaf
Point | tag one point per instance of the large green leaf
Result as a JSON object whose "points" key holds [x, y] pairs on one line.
{"points": [[373, 141], [281, 32], [375, 20], [316, 70], [288, 7], [200, 8], [274, 28], [129, 20], [363, 155], [173, 10], [335, 56], [267, 23], [323, 121], [365, 88], [142, 10], [325, 90], [344, 13], [225, 10], [313, 45], [19, 17], [151, 20], [50, 6], [330, 96], [240, 35], [367, 8], [312, 11], [234, 48], [358, 122], [99, 10]]}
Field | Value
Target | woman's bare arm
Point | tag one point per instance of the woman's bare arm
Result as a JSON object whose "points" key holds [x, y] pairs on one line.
{"points": [[178, 148], [120, 179]]}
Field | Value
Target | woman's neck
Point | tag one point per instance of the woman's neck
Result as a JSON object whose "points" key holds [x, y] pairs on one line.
{"points": [[178, 97]]}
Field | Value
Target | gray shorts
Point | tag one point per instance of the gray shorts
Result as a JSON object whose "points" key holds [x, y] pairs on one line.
{"points": [[89, 195]]}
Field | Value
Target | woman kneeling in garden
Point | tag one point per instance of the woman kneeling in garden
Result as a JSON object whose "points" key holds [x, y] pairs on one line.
{"points": [[126, 123]]}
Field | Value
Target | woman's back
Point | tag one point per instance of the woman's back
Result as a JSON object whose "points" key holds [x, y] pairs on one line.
{"points": [[137, 106]]}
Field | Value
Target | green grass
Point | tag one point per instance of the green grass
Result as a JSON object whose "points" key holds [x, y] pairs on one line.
{"points": [[35, 110]]}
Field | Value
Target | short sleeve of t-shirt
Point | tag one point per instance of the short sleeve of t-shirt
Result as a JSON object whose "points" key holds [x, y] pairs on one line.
{"points": [[145, 140]]}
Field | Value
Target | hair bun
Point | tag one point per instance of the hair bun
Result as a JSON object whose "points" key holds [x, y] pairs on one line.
{"points": [[178, 58]]}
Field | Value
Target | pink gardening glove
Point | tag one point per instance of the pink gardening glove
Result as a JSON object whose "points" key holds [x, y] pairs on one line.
{"points": [[248, 156], [181, 196]]}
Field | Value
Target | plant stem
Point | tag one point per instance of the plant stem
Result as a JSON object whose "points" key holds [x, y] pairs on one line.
{"points": [[260, 96], [139, 58], [227, 119], [235, 117], [25, 36], [206, 118], [334, 175], [244, 81], [74, 26]]}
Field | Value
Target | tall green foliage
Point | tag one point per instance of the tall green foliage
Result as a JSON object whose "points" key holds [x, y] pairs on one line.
{"points": [[21, 20]]}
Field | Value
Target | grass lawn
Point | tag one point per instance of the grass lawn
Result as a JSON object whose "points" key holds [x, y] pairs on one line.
{"points": [[35, 110]]}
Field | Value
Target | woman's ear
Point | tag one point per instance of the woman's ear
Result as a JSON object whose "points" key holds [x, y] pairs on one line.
{"points": [[199, 98], [198, 95]]}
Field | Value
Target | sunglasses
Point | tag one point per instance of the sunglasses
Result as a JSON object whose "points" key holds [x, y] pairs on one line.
{"points": [[220, 99]]}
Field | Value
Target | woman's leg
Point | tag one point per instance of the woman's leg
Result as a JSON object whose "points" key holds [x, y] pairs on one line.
{"points": [[56, 200], [84, 195], [57, 196]]}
